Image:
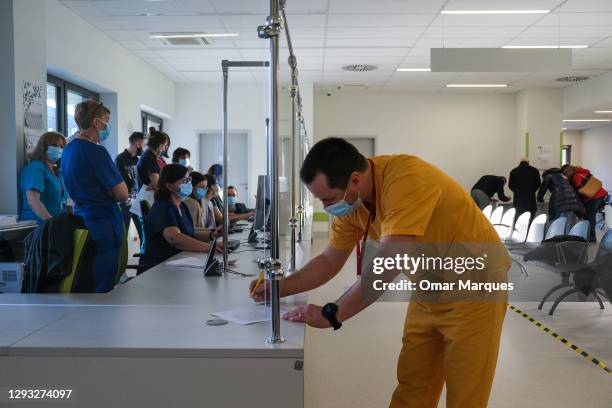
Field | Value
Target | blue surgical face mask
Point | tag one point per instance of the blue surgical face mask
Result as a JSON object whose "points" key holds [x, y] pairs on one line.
{"points": [[200, 193], [185, 191], [184, 162], [104, 134], [54, 153], [231, 201], [342, 208]]}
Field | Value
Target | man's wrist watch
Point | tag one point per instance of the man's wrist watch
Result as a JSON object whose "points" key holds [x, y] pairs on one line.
{"points": [[329, 312]]}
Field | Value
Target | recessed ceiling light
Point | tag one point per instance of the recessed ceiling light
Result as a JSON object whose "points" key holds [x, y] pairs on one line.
{"points": [[586, 120], [495, 11], [191, 35], [476, 85], [414, 70], [563, 128], [544, 46], [603, 111]]}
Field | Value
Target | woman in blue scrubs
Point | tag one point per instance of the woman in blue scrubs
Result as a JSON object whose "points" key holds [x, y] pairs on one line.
{"points": [[42, 184], [96, 187]]}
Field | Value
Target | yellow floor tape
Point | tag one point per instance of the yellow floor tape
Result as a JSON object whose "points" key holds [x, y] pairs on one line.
{"points": [[563, 340]]}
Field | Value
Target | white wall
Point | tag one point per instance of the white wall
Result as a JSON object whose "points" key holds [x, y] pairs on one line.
{"points": [[466, 135], [79, 52], [597, 153], [22, 58]]}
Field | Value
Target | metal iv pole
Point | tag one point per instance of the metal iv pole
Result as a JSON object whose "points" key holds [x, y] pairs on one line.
{"points": [[273, 266]]}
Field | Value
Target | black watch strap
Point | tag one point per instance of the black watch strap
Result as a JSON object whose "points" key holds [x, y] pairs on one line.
{"points": [[329, 312]]}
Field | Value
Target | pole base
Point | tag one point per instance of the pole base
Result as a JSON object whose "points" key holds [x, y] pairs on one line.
{"points": [[275, 340]]}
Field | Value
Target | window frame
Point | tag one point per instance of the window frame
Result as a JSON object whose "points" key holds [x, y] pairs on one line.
{"points": [[62, 88], [144, 118]]}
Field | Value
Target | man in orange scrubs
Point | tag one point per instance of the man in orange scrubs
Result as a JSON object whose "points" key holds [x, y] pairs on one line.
{"points": [[403, 201]]}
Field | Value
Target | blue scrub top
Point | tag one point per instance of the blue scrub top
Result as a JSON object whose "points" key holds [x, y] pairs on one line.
{"points": [[164, 214], [90, 174], [37, 176]]}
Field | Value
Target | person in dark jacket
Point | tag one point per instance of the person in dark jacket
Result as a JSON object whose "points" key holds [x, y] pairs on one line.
{"points": [[564, 201], [524, 182], [126, 164], [578, 177], [491, 185]]}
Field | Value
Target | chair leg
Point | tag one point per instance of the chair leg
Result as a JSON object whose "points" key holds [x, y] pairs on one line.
{"points": [[550, 292], [601, 306], [560, 298], [603, 295], [521, 267]]}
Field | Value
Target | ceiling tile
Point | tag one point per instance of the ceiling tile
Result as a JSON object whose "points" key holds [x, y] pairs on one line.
{"points": [[157, 23], [385, 6], [380, 20], [587, 5], [253, 21], [138, 7], [374, 32], [576, 19], [380, 51], [472, 32], [370, 42]]}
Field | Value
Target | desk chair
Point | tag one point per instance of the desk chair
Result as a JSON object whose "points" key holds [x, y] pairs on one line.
{"points": [[80, 279]]}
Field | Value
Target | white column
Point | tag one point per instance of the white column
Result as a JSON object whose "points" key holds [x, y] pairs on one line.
{"points": [[23, 56], [540, 116]]}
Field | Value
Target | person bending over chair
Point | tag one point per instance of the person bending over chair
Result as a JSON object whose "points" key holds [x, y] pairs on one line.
{"points": [[170, 227]]}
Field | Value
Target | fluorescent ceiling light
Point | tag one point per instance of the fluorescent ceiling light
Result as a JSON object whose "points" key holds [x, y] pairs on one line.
{"points": [[563, 128], [604, 111], [495, 11], [586, 120], [192, 35], [543, 46], [476, 85], [414, 70]]}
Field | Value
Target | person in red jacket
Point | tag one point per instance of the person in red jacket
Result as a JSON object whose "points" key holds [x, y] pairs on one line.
{"points": [[578, 176]]}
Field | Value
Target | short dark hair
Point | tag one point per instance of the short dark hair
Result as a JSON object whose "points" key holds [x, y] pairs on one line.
{"points": [[178, 153], [336, 159], [210, 180], [196, 178], [171, 173], [135, 137], [230, 187]]}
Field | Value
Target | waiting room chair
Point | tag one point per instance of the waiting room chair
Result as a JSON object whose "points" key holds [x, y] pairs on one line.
{"points": [[497, 215], [505, 227], [487, 211], [580, 229], [557, 227]]}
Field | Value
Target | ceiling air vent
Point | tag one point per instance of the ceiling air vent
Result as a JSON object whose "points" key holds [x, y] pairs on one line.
{"points": [[179, 40], [572, 79], [359, 68]]}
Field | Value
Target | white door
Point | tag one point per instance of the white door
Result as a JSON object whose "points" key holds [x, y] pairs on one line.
{"points": [[211, 152]]}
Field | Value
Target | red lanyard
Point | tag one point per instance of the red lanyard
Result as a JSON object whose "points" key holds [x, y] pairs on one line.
{"points": [[361, 248]]}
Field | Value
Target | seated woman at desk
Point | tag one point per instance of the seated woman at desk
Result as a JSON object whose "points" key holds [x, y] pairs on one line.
{"points": [[42, 183], [214, 200], [170, 227], [196, 208]]}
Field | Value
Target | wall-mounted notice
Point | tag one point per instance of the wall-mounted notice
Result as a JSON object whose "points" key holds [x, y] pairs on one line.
{"points": [[544, 157], [33, 119]]}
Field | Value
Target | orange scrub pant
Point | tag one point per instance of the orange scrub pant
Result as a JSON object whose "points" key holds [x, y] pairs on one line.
{"points": [[456, 343]]}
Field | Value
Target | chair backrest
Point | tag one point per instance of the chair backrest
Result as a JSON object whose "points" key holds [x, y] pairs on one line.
{"points": [[556, 228], [581, 229], [521, 227], [481, 198], [536, 229], [81, 243], [496, 217], [507, 223], [487, 211]]}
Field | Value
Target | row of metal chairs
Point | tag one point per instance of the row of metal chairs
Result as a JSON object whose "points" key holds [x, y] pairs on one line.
{"points": [[520, 230]]}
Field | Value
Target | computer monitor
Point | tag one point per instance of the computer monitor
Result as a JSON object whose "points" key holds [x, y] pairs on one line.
{"points": [[262, 209], [212, 264]]}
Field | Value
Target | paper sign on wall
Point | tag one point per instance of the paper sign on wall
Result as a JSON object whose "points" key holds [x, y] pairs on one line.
{"points": [[544, 157]]}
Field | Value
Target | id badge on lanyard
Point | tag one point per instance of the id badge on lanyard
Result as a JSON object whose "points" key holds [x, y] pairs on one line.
{"points": [[361, 246]]}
